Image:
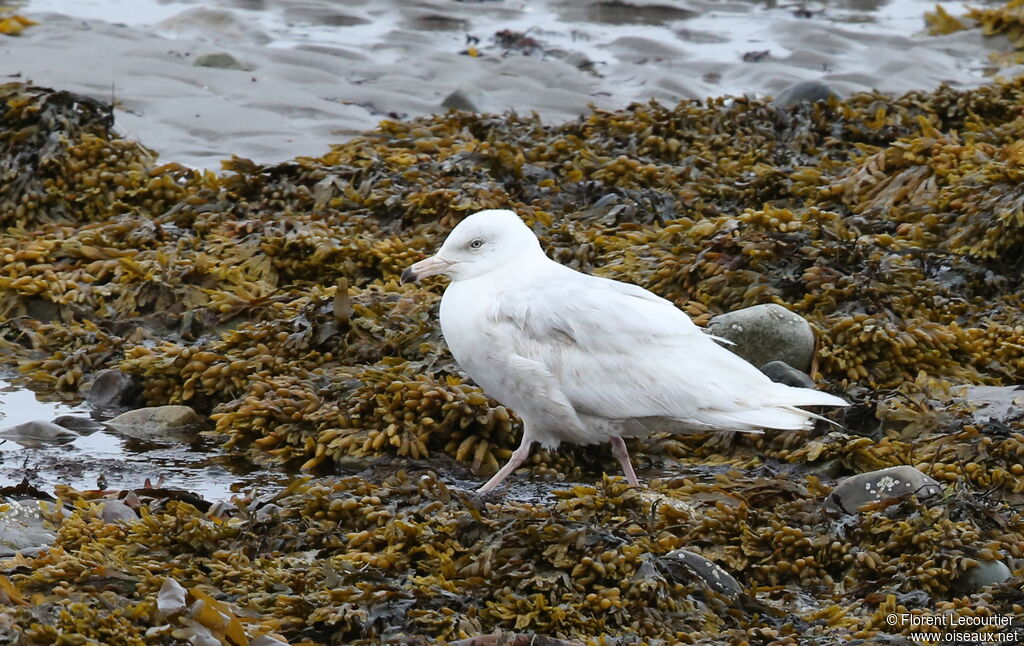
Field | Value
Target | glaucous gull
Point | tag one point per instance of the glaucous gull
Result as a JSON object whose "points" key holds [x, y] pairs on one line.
{"points": [[585, 359]]}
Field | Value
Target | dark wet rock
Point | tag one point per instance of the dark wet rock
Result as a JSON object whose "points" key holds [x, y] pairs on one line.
{"points": [[984, 574], [765, 333], [38, 433], [996, 403], [22, 528], [222, 61], [707, 571], [42, 309], [113, 389], [267, 513], [159, 424], [469, 97], [854, 492], [804, 92], [116, 511], [783, 373], [81, 425], [581, 62]]}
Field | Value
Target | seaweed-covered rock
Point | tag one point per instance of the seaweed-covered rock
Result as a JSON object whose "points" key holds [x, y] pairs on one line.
{"points": [[220, 60]]}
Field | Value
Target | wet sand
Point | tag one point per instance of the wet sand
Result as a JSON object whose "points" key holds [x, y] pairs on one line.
{"points": [[314, 72]]}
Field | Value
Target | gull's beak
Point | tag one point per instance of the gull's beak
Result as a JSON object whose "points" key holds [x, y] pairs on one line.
{"points": [[431, 266]]}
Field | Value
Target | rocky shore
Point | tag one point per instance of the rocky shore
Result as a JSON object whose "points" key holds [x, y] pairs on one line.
{"points": [[261, 308]]}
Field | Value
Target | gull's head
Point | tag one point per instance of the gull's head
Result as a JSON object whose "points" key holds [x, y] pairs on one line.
{"points": [[484, 242]]}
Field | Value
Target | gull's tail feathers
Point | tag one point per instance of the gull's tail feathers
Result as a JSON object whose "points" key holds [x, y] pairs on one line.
{"points": [[777, 410]]}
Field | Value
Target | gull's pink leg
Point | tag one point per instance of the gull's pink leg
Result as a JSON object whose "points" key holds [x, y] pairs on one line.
{"points": [[620, 452], [518, 457]]}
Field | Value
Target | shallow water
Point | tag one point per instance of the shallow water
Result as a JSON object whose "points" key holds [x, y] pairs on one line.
{"points": [[730, 28], [304, 74], [104, 460]]}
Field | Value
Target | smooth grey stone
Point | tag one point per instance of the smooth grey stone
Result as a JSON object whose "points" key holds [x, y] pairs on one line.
{"points": [[171, 599], [116, 511], [113, 389], [81, 425], [855, 491], [998, 403], [783, 373], [804, 92], [707, 571], [984, 574], [469, 97], [38, 433], [159, 424], [765, 333]]}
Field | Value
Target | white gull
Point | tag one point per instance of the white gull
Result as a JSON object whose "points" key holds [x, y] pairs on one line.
{"points": [[585, 359]]}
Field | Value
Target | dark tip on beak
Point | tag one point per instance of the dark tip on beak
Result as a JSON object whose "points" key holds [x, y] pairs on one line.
{"points": [[408, 276]]}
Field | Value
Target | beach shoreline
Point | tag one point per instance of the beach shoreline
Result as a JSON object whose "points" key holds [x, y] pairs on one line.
{"points": [[200, 84]]}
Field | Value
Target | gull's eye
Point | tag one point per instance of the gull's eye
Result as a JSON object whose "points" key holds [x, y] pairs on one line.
{"points": [[476, 243]]}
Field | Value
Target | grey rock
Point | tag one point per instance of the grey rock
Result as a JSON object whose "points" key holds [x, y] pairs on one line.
{"points": [[42, 309], [783, 373], [855, 491], [220, 60], [996, 403], [267, 513], [114, 511], [580, 61], [680, 562], [81, 425], [469, 97], [765, 333], [38, 433], [159, 424], [804, 92], [984, 574], [171, 599], [22, 528], [113, 389]]}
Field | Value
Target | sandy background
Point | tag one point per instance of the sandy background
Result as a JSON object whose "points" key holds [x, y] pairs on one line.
{"points": [[316, 71]]}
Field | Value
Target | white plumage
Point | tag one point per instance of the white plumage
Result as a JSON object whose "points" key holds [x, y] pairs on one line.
{"points": [[585, 359]]}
